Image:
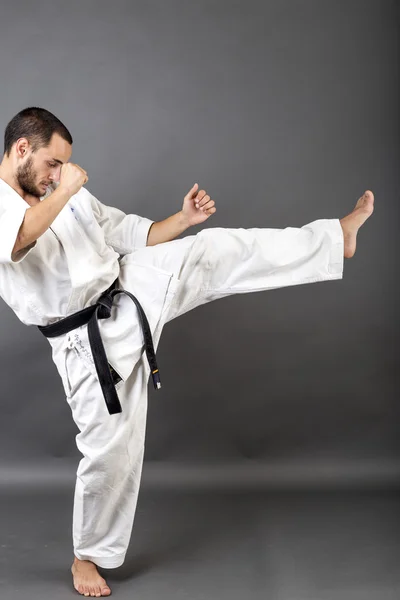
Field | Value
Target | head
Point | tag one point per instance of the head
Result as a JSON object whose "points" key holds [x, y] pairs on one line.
{"points": [[36, 144]]}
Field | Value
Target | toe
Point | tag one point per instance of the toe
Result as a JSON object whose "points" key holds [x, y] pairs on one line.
{"points": [[369, 196], [105, 591]]}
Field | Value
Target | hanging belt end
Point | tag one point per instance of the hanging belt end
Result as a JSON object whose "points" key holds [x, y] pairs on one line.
{"points": [[156, 379]]}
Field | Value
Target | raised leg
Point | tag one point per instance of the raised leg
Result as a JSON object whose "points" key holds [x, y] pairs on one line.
{"points": [[220, 262]]}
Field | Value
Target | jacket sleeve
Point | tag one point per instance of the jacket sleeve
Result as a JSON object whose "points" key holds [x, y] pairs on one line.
{"points": [[12, 214], [123, 232]]}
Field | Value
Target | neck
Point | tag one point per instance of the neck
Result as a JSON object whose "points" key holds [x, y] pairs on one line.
{"points": [[6, 175]]}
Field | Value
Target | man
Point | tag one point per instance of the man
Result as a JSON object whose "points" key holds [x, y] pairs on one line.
{"points": [[63, 253]]}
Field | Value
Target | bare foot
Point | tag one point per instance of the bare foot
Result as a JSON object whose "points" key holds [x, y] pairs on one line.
{"points": [[87, 580], [352, 223]]}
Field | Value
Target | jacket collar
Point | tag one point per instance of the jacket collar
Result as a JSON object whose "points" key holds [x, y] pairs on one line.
{"points": [[10, 193]]}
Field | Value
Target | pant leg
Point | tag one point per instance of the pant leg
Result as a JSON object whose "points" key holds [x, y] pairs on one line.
{"points": [[220, 262], [109, 472]]}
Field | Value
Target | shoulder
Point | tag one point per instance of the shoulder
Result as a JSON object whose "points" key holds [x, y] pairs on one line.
{"points": [[9, 198]]}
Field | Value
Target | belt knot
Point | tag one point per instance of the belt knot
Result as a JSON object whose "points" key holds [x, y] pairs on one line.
{"points": [[105, 303]]}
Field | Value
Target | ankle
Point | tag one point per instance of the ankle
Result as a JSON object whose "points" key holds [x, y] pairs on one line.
{"points": [[79, 561]]}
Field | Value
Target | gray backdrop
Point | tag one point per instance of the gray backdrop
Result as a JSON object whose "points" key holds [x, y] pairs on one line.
{"points": [[285, 112]]}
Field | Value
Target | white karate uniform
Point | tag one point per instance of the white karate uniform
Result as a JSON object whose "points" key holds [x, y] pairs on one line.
{"points": [[69, 267]]}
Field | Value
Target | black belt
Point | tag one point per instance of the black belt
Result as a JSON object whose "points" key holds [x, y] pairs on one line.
{"points": [[90, 315]]}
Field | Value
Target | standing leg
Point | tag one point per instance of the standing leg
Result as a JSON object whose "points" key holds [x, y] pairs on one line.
{"points": [[109, 473]]}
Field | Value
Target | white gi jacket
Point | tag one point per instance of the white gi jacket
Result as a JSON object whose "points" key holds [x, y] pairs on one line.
{"points": [[53, 278]]}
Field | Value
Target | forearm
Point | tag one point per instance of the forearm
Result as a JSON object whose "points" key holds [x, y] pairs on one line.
{"points": [[39, 217], [169, 229]]}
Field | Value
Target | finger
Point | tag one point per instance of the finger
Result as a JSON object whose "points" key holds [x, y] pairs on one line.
{"points": [[200, 195], [208, 205], [204, 200], [211, 211], [201, 199], [191, 193]]}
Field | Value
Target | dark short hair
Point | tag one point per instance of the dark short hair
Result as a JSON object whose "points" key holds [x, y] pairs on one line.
{"points": [[35, 124]]}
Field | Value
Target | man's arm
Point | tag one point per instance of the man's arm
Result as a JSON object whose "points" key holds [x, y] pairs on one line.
{"points": [[39, 217], [197, 208], [169, 229]]}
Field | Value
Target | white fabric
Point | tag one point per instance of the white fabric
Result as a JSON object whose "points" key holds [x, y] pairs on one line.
{"points": [[169, 280], [93, 236]]}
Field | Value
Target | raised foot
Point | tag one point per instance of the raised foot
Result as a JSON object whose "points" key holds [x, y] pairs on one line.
{"points": [[352, 222], [87, 580]]}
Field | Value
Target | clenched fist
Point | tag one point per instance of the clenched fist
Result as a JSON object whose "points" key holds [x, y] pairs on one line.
{"points": [[72, 177]]}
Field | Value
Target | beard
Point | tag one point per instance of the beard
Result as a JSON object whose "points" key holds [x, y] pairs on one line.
{"points": [[26, 177]]}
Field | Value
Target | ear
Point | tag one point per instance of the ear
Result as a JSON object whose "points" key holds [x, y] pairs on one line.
{"points": [[22, 147]]}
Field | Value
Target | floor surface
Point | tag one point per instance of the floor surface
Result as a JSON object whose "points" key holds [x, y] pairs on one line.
{"points": [[203, 545]]}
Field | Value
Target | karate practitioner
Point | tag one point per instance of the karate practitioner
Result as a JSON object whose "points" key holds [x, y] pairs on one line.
{"points": [[62, 251]]}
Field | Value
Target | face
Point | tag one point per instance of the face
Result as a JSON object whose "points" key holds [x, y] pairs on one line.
{"points": [[37, 170]]}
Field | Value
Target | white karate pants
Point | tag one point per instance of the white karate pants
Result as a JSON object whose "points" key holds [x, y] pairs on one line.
{"points": [[215, 263]]}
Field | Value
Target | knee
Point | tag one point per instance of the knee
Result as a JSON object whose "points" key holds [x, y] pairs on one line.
{"points": [[110, 466], [111, 472], [202, 253], [224, 246]]}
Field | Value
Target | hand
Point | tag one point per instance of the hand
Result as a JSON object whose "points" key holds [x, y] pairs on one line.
{"points": [[72, 177], [197, 206]]}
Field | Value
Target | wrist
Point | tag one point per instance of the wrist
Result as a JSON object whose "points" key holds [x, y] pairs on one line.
{"points": [[183, 220], [64, 191]]}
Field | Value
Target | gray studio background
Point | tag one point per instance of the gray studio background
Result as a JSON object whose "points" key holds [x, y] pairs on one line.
{"points": [[285, 112]]}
